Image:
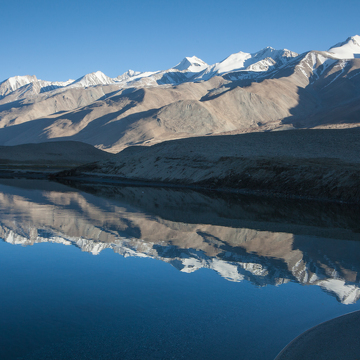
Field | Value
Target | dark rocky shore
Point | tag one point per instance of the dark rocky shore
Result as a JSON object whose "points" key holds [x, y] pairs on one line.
{"points": [[311, 164]]}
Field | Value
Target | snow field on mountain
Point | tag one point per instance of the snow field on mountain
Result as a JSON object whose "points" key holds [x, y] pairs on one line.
{"points": [[190, 68], [347, 50]]}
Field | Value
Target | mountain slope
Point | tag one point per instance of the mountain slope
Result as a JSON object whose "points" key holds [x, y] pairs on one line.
{"points": [[57, 153], [320, 164]]}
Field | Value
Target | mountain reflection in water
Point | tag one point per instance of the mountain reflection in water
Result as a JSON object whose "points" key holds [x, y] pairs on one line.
{"points": [[265, 242]]}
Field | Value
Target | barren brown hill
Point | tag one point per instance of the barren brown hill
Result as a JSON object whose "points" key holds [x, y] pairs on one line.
{"points": [[322, 164], [53, 154]]}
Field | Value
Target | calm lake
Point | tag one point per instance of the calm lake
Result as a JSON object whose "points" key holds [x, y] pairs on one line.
{"points": [[102, 272]]}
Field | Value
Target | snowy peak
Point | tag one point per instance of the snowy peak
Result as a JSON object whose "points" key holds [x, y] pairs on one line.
{"points": [[265, 58], [15, 82], [233, 62], [29, 85], [270, 52], [92, 79], [236, 67], [192, 64], [349, 49], [265, 53], [127, 75], [259, 61]]}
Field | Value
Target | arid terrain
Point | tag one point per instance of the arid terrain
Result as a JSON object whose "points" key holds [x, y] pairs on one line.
{"points": [[273, 121], [321, 164]]}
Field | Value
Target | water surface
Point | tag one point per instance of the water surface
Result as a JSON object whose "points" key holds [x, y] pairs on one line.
{"points": [[134, 273]]}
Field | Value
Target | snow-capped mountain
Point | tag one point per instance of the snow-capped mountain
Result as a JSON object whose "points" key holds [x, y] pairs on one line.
{"points": [[316, 88], [14, 83], [195, 69], [189, 69], [192, 64], [246, 63], [127, 75], [348, 49], [29, 85], [93, 79], [236, 66]]}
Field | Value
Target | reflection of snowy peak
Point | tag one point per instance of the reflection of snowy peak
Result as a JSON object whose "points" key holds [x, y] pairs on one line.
{"points": [[345, 293], [230, 264]]}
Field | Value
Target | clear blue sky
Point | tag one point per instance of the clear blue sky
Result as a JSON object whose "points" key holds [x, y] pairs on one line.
{"points": [[62, 39]]}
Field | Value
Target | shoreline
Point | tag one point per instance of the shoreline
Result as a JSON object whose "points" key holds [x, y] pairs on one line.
{"points": [[303, 164], [113, 181], [318, 165], [333, 339], [334, 183], [53, 174]]}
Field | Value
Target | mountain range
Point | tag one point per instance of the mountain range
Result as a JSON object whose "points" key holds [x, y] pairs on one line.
{"points": [[267, 90]]}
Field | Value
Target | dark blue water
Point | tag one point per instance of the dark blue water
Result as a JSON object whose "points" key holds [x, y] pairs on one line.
{"points": [[61, 302]]}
